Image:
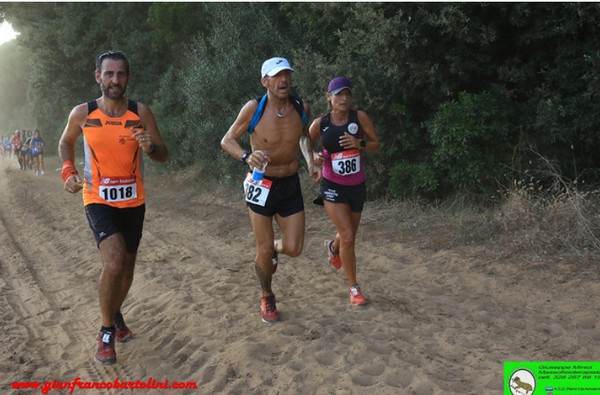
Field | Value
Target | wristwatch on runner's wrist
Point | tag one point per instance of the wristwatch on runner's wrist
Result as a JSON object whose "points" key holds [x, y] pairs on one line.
{"points": [[245, 156], [363, 144]]}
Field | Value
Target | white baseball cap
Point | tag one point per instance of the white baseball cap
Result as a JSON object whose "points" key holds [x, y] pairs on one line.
{"points": [[274, 65]]}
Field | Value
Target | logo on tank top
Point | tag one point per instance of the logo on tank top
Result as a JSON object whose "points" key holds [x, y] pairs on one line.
{"points": [[113, 123], [353, 128], [124, 138]]}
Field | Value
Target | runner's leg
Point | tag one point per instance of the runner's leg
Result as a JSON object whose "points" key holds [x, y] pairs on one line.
{"points": [[112, 278], [263, 234], [292, 234], [346, 222]]}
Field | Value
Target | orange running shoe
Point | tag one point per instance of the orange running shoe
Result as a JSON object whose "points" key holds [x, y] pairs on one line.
{"points": [[356, 297], [122, 334], [268, 310], [334, 258], [105, 352]]}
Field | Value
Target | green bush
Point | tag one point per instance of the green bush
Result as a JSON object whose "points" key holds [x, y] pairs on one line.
{"points": [[474, 138], [408, 180]]}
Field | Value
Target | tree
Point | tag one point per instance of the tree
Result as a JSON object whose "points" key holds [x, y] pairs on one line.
{"points": [[64, 39], [15, 67], [425, 73]]}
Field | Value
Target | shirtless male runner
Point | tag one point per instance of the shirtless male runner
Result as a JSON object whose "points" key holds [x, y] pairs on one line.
{"points": [[275, 141], [117, 133]]}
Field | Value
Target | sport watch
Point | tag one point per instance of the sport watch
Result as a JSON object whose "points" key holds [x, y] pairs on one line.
{"points": [[363, 144], [245, 156]]}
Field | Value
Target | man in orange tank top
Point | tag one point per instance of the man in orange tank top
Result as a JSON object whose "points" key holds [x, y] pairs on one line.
{"points": [[116, 134]]}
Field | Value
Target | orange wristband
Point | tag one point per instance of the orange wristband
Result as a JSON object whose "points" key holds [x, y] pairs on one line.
{"points": [[68, 169]]}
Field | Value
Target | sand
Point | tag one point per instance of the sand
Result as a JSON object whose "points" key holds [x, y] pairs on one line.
{"points": [[440, 321]]}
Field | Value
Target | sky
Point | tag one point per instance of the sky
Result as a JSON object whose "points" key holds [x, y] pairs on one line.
{"points": [[6, 33]]}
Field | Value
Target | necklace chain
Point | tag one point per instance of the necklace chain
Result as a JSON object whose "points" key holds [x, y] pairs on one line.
{"points": [[281, 113]]}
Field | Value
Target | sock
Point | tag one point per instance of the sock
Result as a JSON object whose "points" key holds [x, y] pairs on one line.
{"points": [[108, 333], [111, 329], [332, 250]]}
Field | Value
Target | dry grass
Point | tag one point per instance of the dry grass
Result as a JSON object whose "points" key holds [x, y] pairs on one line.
{"points": [[562, 219], [560, 222]]}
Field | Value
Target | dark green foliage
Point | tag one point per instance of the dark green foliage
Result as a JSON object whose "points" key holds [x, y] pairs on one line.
{"points": [[457, 91], [221, 74], [474, 138], [408, 180]]}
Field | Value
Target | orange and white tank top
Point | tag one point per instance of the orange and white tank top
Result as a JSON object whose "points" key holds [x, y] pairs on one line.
{"points": [[113, 172]]}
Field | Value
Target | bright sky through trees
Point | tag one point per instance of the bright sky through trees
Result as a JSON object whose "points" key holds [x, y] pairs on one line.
{"points": [[6, 32]]}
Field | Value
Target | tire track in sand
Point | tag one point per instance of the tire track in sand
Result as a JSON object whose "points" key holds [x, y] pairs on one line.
{"points": [[48, 278]]}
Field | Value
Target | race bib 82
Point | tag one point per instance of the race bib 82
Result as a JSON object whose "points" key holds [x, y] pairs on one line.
{"points": [[257, 193]]}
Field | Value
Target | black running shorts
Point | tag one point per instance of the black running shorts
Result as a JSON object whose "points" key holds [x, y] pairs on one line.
{"points": [[284, 199], [353, 195], [106, 220]]}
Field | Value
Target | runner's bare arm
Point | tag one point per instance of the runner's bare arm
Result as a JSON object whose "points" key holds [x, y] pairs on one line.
{"points": [[372, 145], [313, 133], [159, 152], [306, 145], [229, 142], [66, 147]]}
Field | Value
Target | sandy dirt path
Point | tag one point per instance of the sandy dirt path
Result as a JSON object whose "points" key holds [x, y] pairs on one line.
{"points": [[439, 322]]}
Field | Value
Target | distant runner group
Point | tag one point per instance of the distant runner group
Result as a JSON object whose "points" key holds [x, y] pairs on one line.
{"points": [[27, 147]]}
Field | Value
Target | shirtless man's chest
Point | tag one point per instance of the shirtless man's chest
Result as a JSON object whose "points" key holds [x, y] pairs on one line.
{"points": [[279, 136]]}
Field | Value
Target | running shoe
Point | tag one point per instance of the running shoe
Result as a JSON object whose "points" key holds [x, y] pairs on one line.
{"points": [[122, 334], [268, 310], [334, 258], [275, 261], [105, 352], [356, 297]]}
